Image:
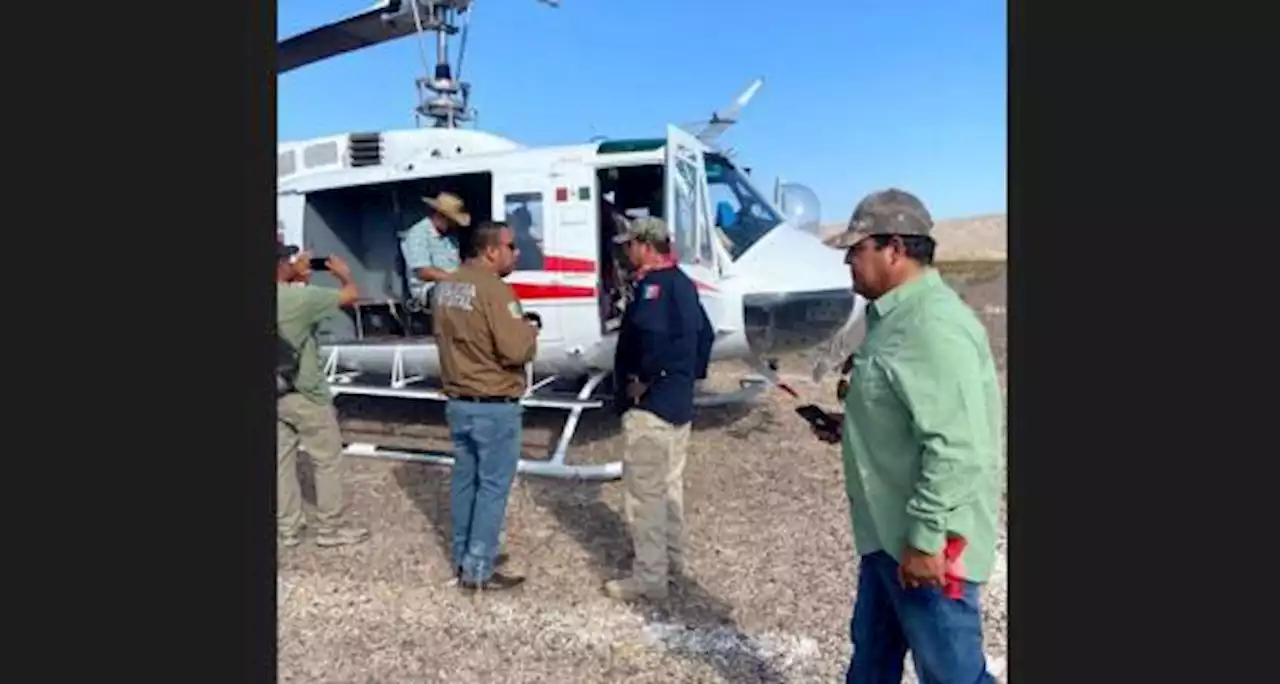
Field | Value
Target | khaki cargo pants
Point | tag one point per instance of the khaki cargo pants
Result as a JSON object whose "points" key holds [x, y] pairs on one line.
{"points": [[653, 473], [313, 426]]}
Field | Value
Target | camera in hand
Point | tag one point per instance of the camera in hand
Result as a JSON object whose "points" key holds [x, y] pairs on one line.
{"points": [[319, 263], [817, 418]]}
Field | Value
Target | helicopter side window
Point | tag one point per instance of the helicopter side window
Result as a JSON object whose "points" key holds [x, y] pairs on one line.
{"points": [[524, 215]]}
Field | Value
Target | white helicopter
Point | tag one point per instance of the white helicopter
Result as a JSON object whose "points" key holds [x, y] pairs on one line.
{"points": [[767, 283]]}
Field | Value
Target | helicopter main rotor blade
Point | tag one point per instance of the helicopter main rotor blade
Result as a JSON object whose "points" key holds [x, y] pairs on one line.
{"points": [[385, 21], [724, 118]]}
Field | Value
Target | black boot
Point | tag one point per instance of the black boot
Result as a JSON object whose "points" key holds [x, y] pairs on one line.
{"points": [[498, 562], [497, 582]]}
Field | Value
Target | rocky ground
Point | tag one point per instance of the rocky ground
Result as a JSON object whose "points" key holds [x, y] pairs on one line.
{"points": [[771, 562]]}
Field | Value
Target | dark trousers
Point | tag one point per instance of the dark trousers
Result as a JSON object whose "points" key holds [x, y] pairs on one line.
{"points": [[486, 445], [944, 635]]}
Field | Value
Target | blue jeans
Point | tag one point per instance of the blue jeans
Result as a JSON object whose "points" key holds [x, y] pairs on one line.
{"points": [[486, 445], [944, 635]]}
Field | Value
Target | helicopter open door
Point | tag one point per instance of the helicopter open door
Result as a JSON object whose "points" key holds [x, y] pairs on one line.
{"points": [[688, 213]]}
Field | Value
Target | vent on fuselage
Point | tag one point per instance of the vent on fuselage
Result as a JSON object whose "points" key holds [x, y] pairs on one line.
{"points": [[365, 149]]}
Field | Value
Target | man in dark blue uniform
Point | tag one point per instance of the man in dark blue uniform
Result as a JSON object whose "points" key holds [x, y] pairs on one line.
{"points": [[664, 346]]}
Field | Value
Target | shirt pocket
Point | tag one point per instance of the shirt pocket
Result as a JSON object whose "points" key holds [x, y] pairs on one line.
{"points": [[868, 380]]}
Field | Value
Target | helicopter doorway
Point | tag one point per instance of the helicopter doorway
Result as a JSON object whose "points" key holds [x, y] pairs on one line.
{"points": [[364, 226], [625, 192]]}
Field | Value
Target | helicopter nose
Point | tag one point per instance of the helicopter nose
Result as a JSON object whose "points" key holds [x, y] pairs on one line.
{"points": [[799, 293], [777, 324]]}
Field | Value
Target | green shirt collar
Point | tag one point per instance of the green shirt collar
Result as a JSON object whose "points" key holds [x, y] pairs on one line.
{"points": [[905, 292]]}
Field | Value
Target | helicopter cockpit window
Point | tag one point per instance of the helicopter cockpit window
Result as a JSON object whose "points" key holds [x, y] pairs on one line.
{"points": [[738, 211], [524, 215]]}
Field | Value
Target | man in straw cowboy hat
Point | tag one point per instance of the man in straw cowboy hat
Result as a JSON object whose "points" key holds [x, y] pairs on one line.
{"points": [[431, 245], [921, 434]]}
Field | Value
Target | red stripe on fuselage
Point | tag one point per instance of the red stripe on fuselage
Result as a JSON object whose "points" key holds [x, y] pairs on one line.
{"points": [[534, 291], [559, 264]]}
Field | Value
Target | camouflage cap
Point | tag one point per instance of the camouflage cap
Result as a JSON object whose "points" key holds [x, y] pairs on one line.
{"points": [[884, 212], [646, 229]]}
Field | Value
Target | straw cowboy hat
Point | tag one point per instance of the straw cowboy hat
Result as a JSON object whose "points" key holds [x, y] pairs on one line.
{"points": [[451, 207]]}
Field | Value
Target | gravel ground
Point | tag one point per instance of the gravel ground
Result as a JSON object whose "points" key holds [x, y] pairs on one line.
{"points": [[771, 561]]}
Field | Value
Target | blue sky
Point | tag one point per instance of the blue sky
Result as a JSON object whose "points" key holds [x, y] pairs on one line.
{"points": [[858, 94]]}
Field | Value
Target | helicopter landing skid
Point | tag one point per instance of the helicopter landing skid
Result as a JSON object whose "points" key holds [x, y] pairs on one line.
{"points": [[750, 387], [555, 466]]}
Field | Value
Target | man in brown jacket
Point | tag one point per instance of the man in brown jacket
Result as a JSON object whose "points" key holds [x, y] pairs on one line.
{"points": [[484, 340]]}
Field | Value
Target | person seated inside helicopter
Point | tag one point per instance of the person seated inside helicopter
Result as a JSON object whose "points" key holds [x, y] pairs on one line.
{"points": [[431, 246], [614, 273], [528, 242], [726, 218]]}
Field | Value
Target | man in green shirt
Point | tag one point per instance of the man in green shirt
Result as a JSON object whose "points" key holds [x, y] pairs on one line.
{"points": [[921, 437], [304, 406]]}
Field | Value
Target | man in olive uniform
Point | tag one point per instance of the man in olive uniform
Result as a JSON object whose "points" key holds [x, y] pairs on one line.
{"points": [[484, 340], [304, 406]]}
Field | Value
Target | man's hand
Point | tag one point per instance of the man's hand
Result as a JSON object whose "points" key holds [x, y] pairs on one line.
{"points": [[832, 436], [338, 268], [349, 294], [635, 388], [919, 569], [428, 274]]}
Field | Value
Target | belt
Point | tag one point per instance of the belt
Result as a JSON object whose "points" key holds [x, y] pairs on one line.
{"points": [[488, 400]]}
